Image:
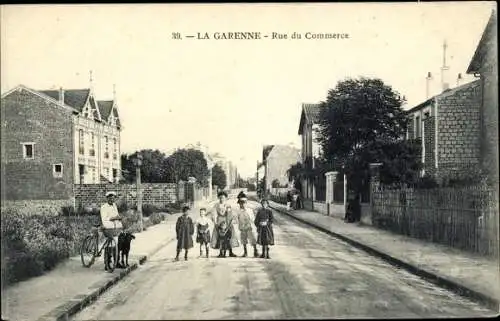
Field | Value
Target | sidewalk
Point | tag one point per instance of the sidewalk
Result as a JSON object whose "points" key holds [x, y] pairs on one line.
{"points": [[469, 274], [69, 287]]}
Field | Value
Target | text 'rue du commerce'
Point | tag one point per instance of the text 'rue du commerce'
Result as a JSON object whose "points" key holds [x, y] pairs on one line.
{"points": [[259, 35]]}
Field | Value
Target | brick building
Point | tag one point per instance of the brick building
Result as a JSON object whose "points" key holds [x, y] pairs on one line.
{"points": [[52, 139], [277, 159]]}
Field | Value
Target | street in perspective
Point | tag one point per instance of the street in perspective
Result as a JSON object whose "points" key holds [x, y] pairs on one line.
{"points": [[210, 173]]}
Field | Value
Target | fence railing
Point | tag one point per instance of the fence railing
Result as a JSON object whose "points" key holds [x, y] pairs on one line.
{"points": [[464, 218]]}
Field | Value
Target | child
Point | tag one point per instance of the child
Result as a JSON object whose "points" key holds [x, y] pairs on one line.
{"points": [[224, 238], [264, 223], [203, 232], [185, 230], [245, 226]]}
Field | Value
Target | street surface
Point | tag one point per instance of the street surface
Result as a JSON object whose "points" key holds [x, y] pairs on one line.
{"points": [[310, 275]]}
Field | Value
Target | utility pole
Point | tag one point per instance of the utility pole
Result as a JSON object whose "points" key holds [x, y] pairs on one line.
{"points": [[138, 164]]}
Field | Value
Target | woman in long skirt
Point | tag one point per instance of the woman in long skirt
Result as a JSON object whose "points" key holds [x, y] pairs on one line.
{"points": [[264, 223], [220, 214]]}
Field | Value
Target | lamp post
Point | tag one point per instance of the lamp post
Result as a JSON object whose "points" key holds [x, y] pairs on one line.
{"points": [[138, 164]]}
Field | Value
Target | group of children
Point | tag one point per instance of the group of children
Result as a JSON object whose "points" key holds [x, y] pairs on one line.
{"points": [[223, 237]]}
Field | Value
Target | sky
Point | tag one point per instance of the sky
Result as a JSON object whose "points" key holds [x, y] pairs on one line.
{"points": [[232, 95]]}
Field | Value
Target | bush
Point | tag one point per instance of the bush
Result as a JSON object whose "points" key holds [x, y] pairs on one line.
{"points": [[38, 243], [156, 218]]}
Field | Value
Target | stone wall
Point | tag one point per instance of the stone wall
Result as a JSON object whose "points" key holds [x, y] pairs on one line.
{"points": [[459, 130], [157, 194]]}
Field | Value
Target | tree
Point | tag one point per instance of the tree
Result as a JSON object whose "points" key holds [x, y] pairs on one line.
{"points": [[219, 177], [152, 170], [185, 163], [362, 121]]}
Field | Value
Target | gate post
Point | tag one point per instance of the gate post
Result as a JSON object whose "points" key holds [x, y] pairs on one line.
{"points": [[374, 186]]}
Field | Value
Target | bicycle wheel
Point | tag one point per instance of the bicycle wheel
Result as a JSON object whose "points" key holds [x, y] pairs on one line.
{"points": [[111, 255], [88, 250]]}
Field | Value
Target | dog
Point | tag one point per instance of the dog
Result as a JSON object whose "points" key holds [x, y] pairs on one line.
{"points": [[124, 240]]}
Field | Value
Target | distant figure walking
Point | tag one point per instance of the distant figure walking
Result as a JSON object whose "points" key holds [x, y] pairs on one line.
{"points": [[184, 229], [203, 231], [264, 223]]}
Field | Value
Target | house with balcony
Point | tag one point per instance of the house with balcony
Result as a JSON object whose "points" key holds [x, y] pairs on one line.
{"points": [[52, 139]]}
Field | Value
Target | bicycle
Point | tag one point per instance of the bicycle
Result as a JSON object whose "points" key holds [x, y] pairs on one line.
{"points": [[90, 246]]}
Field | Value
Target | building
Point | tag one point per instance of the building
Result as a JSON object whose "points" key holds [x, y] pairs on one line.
{"points": [[52, 139], [484, 64], [448, 127], [277, 159], [458, 128], [309, 118], [229, 169]]}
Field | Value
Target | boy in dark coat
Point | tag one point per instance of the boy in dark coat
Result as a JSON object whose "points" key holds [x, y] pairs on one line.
{"points": [[184, 229], [264, 223]]}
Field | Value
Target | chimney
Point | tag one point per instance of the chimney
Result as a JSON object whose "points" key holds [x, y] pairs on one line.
{"points": [[459, 79], [61, 95], [444, 68], [427, 84]]}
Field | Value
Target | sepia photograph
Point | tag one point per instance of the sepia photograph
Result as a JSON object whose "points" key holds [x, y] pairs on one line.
{"points": [[249, 161]]}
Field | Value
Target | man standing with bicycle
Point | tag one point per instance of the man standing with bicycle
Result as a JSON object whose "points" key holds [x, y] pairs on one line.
{"points": [[111, 225]]}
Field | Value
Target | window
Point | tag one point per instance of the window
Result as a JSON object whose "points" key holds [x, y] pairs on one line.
{"points": [[106, 147], [92, 143], [115, 149], [418, 132], [28, 150], [92, 171], [57, 170], [81, 142], [115, 175]]}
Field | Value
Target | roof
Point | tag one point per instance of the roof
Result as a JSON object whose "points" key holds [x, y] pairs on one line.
{"points": [[310, 114], [105, 106], [75, 98], [445, 93], [487, 43]]}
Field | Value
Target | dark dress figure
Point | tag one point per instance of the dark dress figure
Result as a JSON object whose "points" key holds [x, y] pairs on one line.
{"points": [[224, 240], [203, 236], [265, 235], [184, 229]]}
